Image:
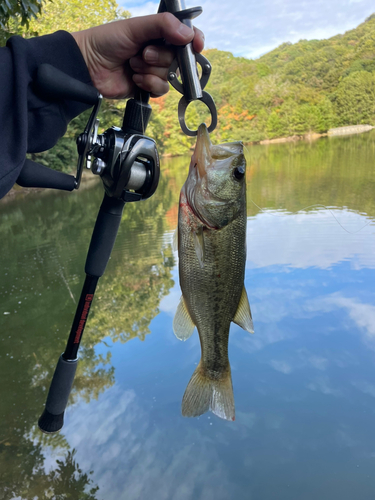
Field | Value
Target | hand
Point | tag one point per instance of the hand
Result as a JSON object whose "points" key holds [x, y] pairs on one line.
{"points": [[118, 56]]}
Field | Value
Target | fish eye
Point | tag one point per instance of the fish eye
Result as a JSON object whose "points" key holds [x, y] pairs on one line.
{"points": [[239, 172]]}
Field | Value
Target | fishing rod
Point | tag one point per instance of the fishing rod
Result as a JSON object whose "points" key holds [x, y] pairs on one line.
{"points": [[127, 162]]}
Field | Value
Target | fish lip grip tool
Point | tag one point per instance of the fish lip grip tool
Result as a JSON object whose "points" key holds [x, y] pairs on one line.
{"points": [[191, 86]]}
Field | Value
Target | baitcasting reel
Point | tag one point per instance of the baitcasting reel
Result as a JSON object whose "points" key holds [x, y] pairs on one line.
{"points": [[128, 163], [126, 160]]}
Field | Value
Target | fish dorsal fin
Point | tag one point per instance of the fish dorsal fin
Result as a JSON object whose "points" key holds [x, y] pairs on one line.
{"points": [[175, 240], [183, 325], [243, 317], [199, 245]]}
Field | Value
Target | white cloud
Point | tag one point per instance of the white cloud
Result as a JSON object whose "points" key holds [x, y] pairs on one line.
{"points": [[281, 366], [323, 385], [131, 458], [365, 387], [144, 9], [313, 239], [261, 338], [363, 315], [298, 360], [169, 303], [250, 28]]}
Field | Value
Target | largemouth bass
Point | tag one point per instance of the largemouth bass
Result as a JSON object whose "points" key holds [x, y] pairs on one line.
{"points": [[212, 255]]}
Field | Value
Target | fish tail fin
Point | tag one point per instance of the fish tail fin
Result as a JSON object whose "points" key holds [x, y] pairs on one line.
{"points": [[204, 393]]}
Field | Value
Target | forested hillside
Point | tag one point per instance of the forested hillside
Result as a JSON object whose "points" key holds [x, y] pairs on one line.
{"points": [[296, 89], [309, 86]]}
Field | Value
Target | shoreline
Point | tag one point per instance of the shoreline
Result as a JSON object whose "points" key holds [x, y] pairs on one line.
{"points": [[279, 140], [313, 136], [333, 132], [292, 138]]}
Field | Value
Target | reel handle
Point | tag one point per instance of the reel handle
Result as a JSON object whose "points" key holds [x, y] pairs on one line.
{"points": [[36, 175], [55, 84]]}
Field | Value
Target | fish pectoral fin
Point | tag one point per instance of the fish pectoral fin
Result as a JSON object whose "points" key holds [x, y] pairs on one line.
{"points": [[243, 317], [199, 245], [175, 240], [183, 325]]}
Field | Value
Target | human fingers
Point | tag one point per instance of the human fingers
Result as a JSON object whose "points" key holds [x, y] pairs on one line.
{"points": [[198, 42], [151, 83], [139, 66], [165, 25], [162, 55], [158, 55]]}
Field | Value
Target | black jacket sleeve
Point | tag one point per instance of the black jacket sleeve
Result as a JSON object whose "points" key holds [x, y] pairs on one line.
{"points": [[28, 123]]}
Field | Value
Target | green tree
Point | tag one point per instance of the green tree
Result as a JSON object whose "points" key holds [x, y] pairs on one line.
{"points": [[274, 125], [355, 99], [75, 15], [22, 10], [69, 15]]}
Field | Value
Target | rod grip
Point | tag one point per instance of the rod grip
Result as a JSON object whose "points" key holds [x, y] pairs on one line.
{"points": [[55, 84], [104, 235], [36, 175], [52, 418]]}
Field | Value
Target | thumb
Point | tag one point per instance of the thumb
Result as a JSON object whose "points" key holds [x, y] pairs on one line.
{"points": [[165, 25]]}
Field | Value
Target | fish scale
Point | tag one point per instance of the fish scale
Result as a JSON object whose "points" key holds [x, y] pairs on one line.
{"points": [[213, 298]]}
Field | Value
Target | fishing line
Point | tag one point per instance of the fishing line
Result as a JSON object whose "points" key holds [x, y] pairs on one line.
{"points": [[311, 206], [143, 123], [318, 205]]}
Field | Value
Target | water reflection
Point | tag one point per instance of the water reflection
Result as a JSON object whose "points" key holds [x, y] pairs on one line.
{"points": [[313, 239], [303, 382], [44, 241], [64, 480]]}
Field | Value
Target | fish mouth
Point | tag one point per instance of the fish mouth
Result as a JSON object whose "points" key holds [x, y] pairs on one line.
{"points": [[205, 153], [202, 153]]}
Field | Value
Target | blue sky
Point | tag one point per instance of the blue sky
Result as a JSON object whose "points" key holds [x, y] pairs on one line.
{"points": [[250, 29]]}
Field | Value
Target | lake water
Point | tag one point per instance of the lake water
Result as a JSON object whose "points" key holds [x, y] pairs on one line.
{"points": [[304, 383]]}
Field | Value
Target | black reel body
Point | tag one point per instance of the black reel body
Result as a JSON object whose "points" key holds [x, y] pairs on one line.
{"points": [[128, 164]]}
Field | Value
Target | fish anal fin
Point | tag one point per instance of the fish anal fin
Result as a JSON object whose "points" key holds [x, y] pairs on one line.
{"points": [[183, 325], [204, 393], [199, 245], [243, 317]]}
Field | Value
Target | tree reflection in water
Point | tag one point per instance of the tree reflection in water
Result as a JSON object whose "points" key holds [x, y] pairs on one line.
{"points": [[65, 480], [44, 239]]}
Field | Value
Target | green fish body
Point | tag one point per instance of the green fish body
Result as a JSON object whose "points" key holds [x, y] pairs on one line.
{"points": [[212, 256]]}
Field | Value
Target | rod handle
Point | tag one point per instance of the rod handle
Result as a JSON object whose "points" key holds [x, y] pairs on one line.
{"points": [[104, 235], [36, 175], [52, 419]]}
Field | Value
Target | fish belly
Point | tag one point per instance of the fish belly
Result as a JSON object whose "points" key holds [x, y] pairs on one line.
{"points": [[212, 292]]}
